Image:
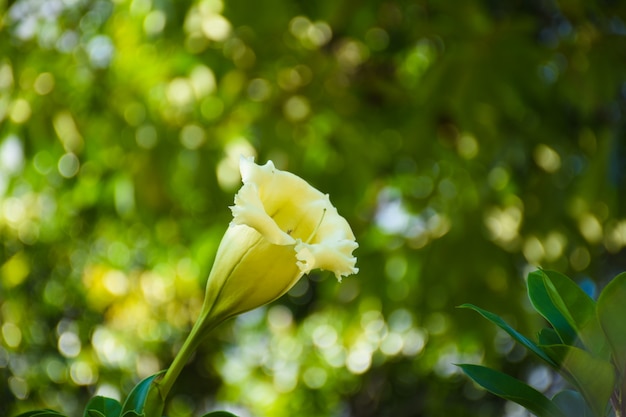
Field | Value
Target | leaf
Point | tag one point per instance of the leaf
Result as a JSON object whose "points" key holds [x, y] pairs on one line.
{"points": [[41, 413], [572, 404], [145, 399], [611, 313], [509, 388], [520, 338], [102, 407], [219, 414], [548, 337], [578, 309], [593, 377], [542, 302], [573, 302]]}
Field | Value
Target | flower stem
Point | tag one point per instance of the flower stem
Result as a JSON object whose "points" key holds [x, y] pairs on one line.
{"points": [[197, 334]]}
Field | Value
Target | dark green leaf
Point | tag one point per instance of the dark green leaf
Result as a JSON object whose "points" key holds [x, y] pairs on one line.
{"points": [[542, 302], [512, 389], [103, 407], [145, 399], [572, 404], [520, 338], [611, 314], [594, 378], [220, 414], [578, 309]]}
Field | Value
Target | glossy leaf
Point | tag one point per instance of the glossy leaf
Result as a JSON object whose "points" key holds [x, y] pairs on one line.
{"points": [[542, 302], [578, 309], [594, 378], [612, 314], [103, 407], [145, 399], [41, 413], [219, 414], [509, 388], [573, 302], [520, 338], [572, 403]]}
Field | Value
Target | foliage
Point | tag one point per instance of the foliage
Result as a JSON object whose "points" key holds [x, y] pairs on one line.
{"points": [[466, 142], [143, 401], [577, 346]]}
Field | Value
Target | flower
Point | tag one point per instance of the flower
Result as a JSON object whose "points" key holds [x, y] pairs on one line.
{"points": [[282, 228]]}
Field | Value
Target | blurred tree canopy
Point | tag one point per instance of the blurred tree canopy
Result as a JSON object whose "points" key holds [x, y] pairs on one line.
{"points": [[466, 142]]}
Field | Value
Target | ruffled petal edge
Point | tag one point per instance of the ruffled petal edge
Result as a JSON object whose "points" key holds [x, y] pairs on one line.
{"points": [[335, 256]]}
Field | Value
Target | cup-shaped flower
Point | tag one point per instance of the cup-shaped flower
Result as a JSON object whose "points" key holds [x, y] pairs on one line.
{"points": [[282, 228]]}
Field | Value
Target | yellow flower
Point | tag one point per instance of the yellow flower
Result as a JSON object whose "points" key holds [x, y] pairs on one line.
{"points": [[282, 228]]}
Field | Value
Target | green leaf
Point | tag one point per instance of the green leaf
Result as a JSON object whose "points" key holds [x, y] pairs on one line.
{"points": [[103, 407], [219, 414], [578, 309], [41, 413], [509, 388], [520, 338], [572, 404], [548, 337], [611, 313], [594, 378], [145, 399], [542, 302]]}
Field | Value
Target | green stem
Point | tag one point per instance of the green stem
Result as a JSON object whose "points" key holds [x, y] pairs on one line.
{"points": [[197, 334]]}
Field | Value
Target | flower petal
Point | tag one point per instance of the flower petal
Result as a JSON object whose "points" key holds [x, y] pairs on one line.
{"points": [[251, 172], [335, 256], [249, 271], [333, 226], [277, 188], [249, 210]]}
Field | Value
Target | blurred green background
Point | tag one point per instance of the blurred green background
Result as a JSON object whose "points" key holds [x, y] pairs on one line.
{"points": [[466, 142]]}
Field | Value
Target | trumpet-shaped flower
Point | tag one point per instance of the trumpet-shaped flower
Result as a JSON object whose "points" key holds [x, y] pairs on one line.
{"points": [[282, 228]]}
